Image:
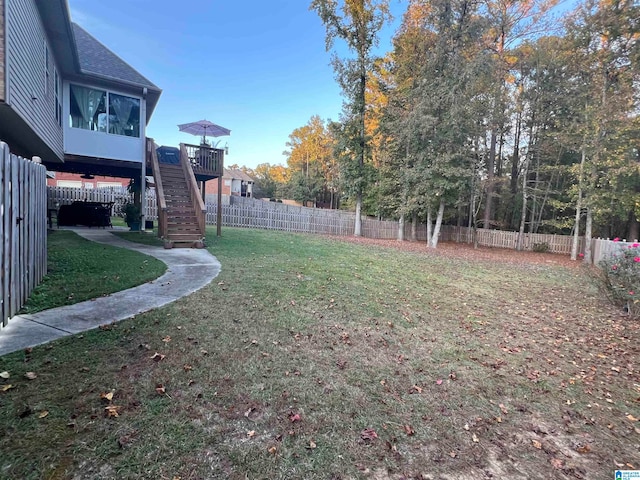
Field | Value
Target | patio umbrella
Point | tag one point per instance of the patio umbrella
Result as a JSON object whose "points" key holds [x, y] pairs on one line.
{"points": [[204, 128]]}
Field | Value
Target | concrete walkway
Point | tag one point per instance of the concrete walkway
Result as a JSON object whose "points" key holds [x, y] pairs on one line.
{"points": [[188, 270]]}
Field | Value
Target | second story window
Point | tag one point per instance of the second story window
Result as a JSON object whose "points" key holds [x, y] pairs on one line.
{"points": [[88, 108], [47, 75], [57, 102], [102, 111]]}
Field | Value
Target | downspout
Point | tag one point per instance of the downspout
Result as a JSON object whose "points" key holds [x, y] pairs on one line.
{"points": [[143, 170]]}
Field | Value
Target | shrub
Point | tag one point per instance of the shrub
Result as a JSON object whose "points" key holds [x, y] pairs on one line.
{"points": [[619, 278], [541, 247]]}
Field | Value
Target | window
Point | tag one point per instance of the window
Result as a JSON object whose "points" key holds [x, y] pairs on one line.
{"points": [[57, 104], [46, 69], [98, 110], [124, 115], [88, 108]]}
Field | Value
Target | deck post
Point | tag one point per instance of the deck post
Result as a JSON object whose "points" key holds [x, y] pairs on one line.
{"points": [[219, 211]]}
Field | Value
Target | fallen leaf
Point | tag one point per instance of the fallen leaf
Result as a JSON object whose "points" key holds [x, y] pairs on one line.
{"points": [[273, 450], [536, 444], [107, 396], [368, 434], [112, 410], [251, 433], [31, 375], [157, 357], [4, 388], [499, 419], [632, 418], [453, 454], [166, 339], [311, 445], [453, 376], [474, 438], [466, 427], [439, 381], [294, 417], [417, 388], [586, 448], [557, 463], [160, 390], [503, 409], [4, 375], [248, 412], [187, 367], [43, 414], [408, 429]]}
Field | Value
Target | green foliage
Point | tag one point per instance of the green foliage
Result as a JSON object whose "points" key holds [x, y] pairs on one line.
{"points": [[619, 278], [132, 213]]}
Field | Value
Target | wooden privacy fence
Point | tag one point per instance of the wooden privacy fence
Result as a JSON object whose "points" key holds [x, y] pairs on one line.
{"points": [[601, 248], [251, 213], [23, 230]]}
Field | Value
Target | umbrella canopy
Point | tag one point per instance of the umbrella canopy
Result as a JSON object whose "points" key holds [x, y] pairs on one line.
{"points": [[204, 128]]}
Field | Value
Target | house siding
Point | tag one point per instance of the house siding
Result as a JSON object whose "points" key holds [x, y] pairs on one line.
{"points": [[25, 40], [2, 67]]}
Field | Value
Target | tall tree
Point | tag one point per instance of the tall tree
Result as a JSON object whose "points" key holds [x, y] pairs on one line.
{"points": [[357, 23]]}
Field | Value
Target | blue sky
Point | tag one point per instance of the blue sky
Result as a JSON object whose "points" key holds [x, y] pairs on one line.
{"points": [[258, 68]]}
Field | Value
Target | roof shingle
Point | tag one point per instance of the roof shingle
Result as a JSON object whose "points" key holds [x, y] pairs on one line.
{"points": [[97, 59]]}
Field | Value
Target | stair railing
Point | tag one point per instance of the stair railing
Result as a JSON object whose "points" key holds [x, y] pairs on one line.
{"points": [[152, 158], [196, 199]]}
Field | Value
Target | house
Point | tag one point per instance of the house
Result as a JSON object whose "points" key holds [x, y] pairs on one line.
{"points": [[65, 97], [234, 183], [75, 180], [68, 99]]}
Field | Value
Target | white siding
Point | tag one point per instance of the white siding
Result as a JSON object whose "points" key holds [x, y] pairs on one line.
{"points": [[101, 144], [26, 41]]}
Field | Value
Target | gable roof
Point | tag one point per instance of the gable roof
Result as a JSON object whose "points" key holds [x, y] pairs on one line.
{"points": [[237, 174], [96, 59]]}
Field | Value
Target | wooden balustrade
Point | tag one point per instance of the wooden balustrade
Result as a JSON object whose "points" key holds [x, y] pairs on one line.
{"points": [[196, 198], [152, 158], [204, 160]]}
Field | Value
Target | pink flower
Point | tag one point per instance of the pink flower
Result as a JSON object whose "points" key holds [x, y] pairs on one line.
{"points": [[617, 239], [636, 259], [631, 293], [635, 245], [614, 267], [581, 255]]}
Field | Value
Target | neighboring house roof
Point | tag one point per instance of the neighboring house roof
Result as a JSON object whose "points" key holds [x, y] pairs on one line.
{"points": [[236, 174], [96, 59]]}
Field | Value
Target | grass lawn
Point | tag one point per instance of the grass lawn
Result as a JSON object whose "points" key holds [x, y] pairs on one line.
{"points": [[79, 270], [312, 357]]}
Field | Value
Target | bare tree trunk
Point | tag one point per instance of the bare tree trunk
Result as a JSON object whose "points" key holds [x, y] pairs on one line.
{"points": [[587, 237], [358, 226], [436, 230], [523, 213], [414, 227], [490, 174], [634, 227], [401, 228], [429, 226], [576, 231]]}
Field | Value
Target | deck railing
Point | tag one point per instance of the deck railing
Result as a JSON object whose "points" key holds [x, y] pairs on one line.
{"points": [[204, 160], [196, 198], [152, 159]]}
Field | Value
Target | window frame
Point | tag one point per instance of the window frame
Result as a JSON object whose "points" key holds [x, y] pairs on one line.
{"points": [[137, 102]]}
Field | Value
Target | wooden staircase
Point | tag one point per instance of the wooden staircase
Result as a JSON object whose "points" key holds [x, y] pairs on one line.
{"points": [[182, 223], [181, 212]]}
